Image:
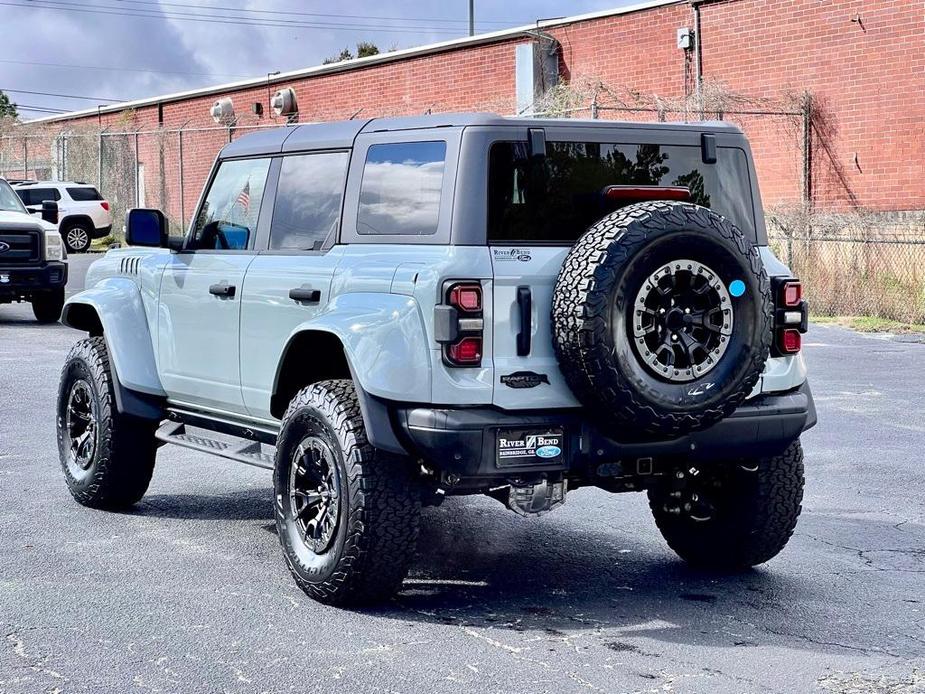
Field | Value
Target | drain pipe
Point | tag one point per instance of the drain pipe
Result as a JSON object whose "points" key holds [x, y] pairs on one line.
{"points": [[698, 57]]}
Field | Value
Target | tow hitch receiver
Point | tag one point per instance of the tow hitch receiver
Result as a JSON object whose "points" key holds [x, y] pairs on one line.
{"points": [[536, 499]]}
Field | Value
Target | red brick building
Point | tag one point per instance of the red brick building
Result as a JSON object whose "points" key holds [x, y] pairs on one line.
{"points": [[862, 63]]}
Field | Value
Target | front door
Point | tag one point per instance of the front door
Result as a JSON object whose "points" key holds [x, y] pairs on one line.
{"points": [[200, 296]]}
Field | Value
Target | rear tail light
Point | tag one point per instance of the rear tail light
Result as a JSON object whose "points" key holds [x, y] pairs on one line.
{"points": [[458, 324], [791, 316], [105, 205], [790, 341]]}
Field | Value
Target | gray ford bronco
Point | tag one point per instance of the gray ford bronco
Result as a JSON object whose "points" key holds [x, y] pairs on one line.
{"points": [[388, 312]]}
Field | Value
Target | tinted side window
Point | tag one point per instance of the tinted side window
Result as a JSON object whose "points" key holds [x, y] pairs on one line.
{"points": [[308, 200], [228, 217], [36, 196], [401, 188], [84, 194]]}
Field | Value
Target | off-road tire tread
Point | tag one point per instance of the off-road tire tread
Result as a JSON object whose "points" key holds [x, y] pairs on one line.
{"points": [[766, 506], [582, 298], [126, 447], [383, 505]]}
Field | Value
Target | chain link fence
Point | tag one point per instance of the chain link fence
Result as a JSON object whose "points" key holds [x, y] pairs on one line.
{"points": [[870, 264]]}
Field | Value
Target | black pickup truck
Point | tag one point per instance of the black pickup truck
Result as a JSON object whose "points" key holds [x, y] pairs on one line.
{"points": [[33, 261]]}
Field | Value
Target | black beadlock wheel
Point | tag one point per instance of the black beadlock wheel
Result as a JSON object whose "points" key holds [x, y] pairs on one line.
{"points": [[734, 516], [662, 319], [347, 514], [107, 457]]}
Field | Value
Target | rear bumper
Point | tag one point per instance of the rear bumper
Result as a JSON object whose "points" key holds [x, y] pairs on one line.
{"points": [[20, 281], [464, 442], [101, 232]]}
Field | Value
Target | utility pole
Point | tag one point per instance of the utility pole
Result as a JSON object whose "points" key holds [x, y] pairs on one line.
{"points": [[471, 17]]}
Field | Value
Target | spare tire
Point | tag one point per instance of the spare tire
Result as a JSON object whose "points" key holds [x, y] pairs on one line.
{"points": [[662, 319]]}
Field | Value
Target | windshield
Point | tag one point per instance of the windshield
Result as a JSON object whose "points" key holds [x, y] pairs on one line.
{"points": [[567, 199], [9, 201]]}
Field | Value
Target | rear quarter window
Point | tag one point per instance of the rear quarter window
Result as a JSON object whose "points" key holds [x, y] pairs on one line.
{"points": [[87, 194], [401, 189], [560, 201]]}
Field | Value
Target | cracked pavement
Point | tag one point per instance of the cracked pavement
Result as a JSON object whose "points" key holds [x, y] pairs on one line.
{"points": [[189, 591]]}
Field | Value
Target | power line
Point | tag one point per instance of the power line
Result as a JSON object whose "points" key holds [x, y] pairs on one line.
{"points": [[40, 109], [124, 69], [63, 6], [65, 96], [318, 14]]}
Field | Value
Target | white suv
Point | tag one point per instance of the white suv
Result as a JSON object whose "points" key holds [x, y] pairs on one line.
{"points": [[83, 213]]}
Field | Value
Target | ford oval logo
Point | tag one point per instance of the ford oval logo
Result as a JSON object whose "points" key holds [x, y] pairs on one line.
{"points": [[548, 451], [4, 247]]}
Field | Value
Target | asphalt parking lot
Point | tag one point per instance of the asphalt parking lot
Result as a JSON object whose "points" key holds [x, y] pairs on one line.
{"points": [[189, 592]]}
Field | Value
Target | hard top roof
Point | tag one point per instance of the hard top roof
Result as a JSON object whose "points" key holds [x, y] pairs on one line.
{"points": [[341, 134]]}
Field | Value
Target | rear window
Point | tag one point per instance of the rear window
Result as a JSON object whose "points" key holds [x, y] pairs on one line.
{"points": [[401, 188], [524, 207], [84, 194]]}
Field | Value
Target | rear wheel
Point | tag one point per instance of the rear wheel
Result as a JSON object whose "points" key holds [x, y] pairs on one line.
{"points": [[346, 513], [47, 306], [107, 457], [77, 236], [732, 517]]}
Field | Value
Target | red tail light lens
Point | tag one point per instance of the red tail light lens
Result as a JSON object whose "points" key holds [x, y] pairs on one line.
{"points": [[790, 341], [105, 205], [466, 297], [643, 193], [791, 294], [467, 351]]}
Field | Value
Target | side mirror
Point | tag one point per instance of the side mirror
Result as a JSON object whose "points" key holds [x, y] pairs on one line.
{"points": [[50, 212], [145, 227]]}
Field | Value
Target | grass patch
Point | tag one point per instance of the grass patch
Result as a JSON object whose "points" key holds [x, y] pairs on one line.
{"points": [[871, 324], [103, 244]]}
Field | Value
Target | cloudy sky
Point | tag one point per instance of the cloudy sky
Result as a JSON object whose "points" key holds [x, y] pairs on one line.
{"points": [[127, 49]]}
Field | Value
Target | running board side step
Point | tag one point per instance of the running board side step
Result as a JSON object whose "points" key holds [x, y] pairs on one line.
{"points": [[248, 452]]}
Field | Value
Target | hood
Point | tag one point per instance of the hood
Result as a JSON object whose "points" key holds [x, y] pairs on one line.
{"points": [[20, 217]]}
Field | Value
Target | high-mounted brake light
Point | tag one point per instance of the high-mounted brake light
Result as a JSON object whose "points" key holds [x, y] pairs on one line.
{"points": [[643, 193], [791, 293], [105, 205]]}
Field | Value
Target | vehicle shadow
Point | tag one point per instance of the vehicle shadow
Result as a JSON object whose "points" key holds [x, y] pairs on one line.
{"points": [[245, 504]]}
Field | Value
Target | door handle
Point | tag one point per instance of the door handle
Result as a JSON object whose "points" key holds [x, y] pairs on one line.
{"points": [[222, 289], [305, 294], [525, 302]]}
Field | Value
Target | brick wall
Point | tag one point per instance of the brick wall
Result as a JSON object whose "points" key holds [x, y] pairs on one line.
{"points": [[863, 61]]}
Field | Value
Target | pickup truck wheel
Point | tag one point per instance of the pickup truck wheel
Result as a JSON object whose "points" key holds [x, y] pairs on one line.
{"points": [[76, 237], [733, 520], [107, 457], [662, 319], [47, 306], [347, 514]]}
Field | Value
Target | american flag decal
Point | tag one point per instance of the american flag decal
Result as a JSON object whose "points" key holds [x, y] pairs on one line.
{"points": [[244, 197]]}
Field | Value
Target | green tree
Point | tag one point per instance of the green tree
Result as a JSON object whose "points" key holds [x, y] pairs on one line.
{"points": [[364, 49], [7, 107]]}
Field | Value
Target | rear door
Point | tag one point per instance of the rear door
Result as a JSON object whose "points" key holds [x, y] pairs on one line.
{"points": [[537, 211]]}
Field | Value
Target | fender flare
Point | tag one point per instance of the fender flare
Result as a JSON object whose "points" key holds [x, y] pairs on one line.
{"points": [[385, 344], [115, 306]]}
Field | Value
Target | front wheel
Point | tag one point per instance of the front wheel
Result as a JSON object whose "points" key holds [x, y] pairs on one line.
{"points": [[107, 457], [735, 516], [346, 513], [47, 306]]}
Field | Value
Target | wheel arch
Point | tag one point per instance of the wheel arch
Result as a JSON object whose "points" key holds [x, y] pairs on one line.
{"points": [[81, 219], [297, 369], [114, 310]]}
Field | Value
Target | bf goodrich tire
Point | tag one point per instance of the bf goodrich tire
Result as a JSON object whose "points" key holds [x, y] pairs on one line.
{"points": [[347, 514], [741, 516], [107, 457], [47, 306], [662, 319]]}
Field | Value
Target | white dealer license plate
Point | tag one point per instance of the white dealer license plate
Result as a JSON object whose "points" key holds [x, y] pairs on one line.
{"points": [[530, 446]]}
